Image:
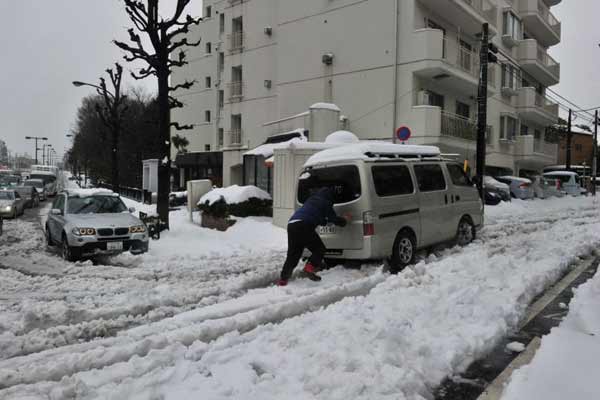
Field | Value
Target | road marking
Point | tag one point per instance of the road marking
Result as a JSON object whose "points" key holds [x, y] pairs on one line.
{"points": [[495, 389]]}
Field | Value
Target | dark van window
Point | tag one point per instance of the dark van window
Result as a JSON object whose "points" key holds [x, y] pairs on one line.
{"points": [[392, 180], [430, 177], [344, 180], [458, 176]]}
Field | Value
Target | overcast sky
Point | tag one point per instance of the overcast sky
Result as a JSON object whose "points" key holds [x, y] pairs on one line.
{"points": [[49, 43]]}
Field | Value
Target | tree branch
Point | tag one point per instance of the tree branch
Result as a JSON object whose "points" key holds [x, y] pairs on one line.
{"points": [[181, 127], [185, 85]]}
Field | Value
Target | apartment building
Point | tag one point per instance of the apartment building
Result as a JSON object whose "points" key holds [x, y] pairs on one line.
{"points": [[384, 63]]}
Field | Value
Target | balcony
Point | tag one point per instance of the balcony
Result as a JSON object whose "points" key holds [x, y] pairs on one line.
{"points": [[452, 66], [538, 20], [534, 152], [531, 106], [432, 125], [552, 3], [534, 59], [468, 14], [236, 42], [236, 91]]}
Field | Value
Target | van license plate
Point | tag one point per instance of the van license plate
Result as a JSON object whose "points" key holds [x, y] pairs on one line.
{"points": [[327, 230], [114, 245]]}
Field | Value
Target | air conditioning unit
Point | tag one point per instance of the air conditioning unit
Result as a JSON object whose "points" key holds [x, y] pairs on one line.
{"points": [[268, 83], [423, 98], [268, 30], [327, 58]]}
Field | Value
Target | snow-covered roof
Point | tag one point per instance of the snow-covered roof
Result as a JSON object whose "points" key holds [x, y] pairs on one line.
{"points": [[266, 150], [360, 151], [515, 178], [561, 173], [90, 192], [234, 194], [40, 172], [325, 106]]}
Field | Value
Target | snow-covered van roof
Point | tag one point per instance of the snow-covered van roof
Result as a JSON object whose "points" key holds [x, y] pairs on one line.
{"points": [[40, 172], [515, 178], [370, 150], [90, 192], [561, 173]]}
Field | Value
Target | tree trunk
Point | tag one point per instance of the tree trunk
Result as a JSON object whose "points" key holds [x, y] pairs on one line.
{"points": [[164, 168]]}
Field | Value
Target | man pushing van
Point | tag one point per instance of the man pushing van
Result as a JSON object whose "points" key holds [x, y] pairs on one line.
{"points": [[317, 210]]}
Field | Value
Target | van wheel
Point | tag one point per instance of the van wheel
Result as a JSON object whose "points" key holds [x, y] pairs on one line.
{"points": [[465, 233], [403, 252]]}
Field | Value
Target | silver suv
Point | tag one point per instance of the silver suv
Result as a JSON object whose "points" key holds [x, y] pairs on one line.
{"points": [[399, 198], [88, 222]]}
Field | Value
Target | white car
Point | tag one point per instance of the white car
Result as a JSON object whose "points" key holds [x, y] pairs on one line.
{"points": [[569, 181]]}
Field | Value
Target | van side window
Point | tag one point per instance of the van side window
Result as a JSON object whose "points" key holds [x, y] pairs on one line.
{"points": [[430, 177], [344, 180], [458, 176], [392, 180]]}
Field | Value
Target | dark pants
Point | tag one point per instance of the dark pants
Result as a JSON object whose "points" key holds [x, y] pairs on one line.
{"points": [[300, 236]]}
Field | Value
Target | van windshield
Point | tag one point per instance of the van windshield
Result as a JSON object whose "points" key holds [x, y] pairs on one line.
{"points": [[345, 181]]}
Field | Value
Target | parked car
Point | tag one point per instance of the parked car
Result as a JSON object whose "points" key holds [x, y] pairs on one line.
{"points": [[29, 194], [11, 204], [501, 189], [400, 199], [87, 223], [39, 185], [9, 181], [544, 188], [520, 188], [569, 181]]}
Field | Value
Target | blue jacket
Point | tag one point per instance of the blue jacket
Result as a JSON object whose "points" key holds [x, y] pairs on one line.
{"points": [[318, 210]]}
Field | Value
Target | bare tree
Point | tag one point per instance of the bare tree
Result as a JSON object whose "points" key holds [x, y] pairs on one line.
{"points": [[167, 37]]}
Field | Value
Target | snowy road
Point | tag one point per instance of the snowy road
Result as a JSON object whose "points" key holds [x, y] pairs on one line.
{"points": [[194, 310]]}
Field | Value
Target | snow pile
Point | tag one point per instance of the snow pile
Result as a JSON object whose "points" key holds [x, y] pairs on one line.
{"points": [[179, 195], [325, 106], [359, 150], [341, 137], [266, 150], [234, 194], [515, 347], [564, 365]]}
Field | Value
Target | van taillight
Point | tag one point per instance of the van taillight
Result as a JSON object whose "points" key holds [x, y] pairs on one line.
{"points": [[524, 185], [368, 226]]}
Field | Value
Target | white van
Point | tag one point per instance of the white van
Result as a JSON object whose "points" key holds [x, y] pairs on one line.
{"points": [[569, 181], [401, 198]]}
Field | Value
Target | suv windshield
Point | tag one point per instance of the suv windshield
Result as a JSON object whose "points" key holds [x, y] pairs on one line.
{"points": [[4, 195], [37, 184], [344, 180], [95, 205]]}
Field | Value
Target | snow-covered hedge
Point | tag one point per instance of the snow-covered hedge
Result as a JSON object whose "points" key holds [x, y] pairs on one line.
{"points": [[241, 201]]}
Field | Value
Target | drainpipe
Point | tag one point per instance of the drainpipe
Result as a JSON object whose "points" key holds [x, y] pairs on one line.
{"points": [[396, 56]]}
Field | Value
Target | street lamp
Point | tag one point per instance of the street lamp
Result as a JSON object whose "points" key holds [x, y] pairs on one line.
{"points": [[99, 88], [36, 138]]}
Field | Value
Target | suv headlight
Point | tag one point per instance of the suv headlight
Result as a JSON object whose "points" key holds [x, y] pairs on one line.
{"points": [[7, 208], [83, 231], [137, 229]]}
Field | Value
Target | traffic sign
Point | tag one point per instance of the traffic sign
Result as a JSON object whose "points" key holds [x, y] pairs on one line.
{"points": [[403, 133]]}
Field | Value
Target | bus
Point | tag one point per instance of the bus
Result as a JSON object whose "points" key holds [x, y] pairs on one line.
{"points": [[48, 174]]}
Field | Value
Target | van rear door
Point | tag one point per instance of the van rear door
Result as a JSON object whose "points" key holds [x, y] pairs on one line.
{"points": [[345, 180]]}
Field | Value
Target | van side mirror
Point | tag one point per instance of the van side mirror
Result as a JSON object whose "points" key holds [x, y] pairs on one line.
{"points": [[56, 211], [131, 210]]}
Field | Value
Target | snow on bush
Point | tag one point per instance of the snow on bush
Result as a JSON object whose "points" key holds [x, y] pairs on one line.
{"points": [[234, 194]]}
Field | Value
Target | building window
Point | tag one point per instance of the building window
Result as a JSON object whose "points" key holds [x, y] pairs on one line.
{"points": [[207, 116], [578, 147], [208, 12], [236, 129], [220, 134], [512, 26], [510, 76], [508, 128], [463, 110], [221, 23], [221, 62], [208, 48], [524, 130], [221, 98], [208, 82], [436, 99], [537, 134], [207, 147]]}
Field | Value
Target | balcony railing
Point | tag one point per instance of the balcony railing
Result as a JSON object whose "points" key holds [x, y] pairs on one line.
{"points": [[466, 59], [548, 17], [236, 42], [460, 127], [235, 137], [236, 90], [544, 58], [483, 8], [547, 105]]}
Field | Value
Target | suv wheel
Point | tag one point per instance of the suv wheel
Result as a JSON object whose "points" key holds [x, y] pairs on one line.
{"points": [[465, 233], [403, 253], [48, 237], [68, 253]]}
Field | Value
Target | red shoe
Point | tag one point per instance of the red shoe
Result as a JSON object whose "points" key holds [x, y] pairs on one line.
{"points": [[309, 272], [282, 282]]}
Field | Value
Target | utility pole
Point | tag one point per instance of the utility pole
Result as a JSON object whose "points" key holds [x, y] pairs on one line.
{"points": [[595, 154], [568, 166], [485, 55]]}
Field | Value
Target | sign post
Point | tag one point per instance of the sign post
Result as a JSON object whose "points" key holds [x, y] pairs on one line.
{"points": [[403, 133]]}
